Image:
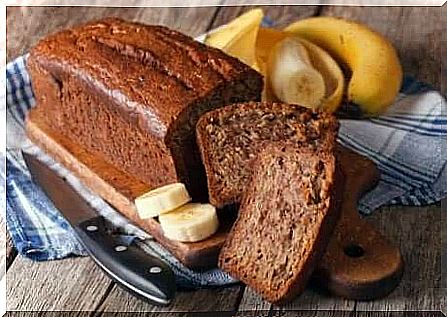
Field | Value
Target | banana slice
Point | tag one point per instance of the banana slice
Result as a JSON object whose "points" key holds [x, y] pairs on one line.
{"points": [[190, 223], [292, 77], [162, 200]]}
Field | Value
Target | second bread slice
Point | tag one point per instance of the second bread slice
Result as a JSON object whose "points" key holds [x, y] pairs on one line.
{"points": [[285, 221], [230, 138]]}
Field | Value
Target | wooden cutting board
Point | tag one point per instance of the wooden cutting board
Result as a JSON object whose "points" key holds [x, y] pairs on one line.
{"points": [[360, 263]]}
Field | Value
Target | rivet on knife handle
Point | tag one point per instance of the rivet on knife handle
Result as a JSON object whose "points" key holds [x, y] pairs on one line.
{"points": [[140, 273]]}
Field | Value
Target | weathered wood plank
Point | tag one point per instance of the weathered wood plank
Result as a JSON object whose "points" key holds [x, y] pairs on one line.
{"points": [[416, 32], [202, 300], [312, 299], [7, 251], [398, 314], [418, 233], [315, 313], [280, 15], [251, 301], [3, 248], [74, 284], [297, 313], [443, 288], [11, 252], [26, 25], [48, 314], [316, 299]]}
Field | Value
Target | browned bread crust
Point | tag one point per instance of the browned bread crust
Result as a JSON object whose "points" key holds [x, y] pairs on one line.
{"points": [[134, 92], [229, 139], [285, 221]]}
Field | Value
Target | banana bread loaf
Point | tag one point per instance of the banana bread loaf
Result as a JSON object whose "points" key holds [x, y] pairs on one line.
{"points": [[285, 221], [230, 137], [133, 93]]}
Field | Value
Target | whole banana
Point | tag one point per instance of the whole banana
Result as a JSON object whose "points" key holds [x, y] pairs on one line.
{"points": [[376, 71]]}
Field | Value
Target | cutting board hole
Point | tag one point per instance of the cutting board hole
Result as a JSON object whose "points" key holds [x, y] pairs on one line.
{"points": [[354, 251]]}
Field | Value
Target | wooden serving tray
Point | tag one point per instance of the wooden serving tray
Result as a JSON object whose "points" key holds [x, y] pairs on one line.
{"points": [[360, 263]]}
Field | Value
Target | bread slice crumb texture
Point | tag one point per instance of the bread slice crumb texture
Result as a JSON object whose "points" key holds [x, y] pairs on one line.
{"points": [[276, 240], [231, 137]]}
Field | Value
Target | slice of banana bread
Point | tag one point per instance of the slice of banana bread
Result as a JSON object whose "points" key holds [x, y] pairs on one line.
{"points": [[229, 139], [285, 221]]}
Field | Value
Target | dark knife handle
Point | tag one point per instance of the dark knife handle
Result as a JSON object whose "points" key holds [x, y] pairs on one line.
{"points": [[140, 273]]}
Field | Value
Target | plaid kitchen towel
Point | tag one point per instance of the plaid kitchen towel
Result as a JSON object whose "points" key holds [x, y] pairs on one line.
{"points": [[408, 143]]}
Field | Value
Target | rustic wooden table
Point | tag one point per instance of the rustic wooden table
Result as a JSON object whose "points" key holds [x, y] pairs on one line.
{"points": [[76, 284]]}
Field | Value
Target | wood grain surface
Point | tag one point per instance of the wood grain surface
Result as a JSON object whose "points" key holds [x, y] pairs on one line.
{"points": [[26, 25], [75, 284], [359, 262], [8, 252], [419, 238], [203, 300], [280, 16]]}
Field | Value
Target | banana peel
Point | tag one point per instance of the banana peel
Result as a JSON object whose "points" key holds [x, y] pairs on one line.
{"points": [[238, 38], [376, 70], [331, 72]]}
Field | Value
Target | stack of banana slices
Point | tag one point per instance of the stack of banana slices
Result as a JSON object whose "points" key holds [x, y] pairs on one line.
{"points": [[180, 219], [301, 63]]}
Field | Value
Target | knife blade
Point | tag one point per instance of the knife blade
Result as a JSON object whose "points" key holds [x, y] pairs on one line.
{"points": [[139, 272]]}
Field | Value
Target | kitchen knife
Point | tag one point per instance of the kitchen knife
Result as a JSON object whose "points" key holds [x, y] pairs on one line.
{"points": [[138, 272]]}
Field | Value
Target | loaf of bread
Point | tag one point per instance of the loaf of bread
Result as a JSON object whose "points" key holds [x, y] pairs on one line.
{"points": [[133, 93], [230, 137], [285, 220]]}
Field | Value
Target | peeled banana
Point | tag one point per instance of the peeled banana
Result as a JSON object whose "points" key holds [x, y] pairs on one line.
{"points": [[292, 77], [162, 200], [190, 223], [376, 71]]}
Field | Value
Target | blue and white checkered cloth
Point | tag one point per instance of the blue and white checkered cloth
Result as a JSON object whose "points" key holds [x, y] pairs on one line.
{"points": [[408, 143]]}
